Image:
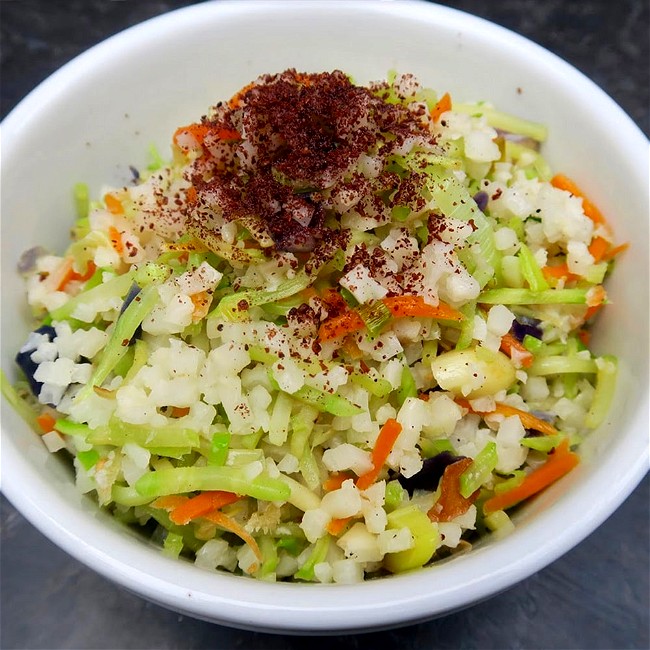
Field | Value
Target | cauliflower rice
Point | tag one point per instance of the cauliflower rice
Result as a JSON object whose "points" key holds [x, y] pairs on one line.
{"points": [[339, 335]]}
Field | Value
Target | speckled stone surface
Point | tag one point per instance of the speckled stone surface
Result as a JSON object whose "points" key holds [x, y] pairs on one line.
{"points": [[596, 596]]}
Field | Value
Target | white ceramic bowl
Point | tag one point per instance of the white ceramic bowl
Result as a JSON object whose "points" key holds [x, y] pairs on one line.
{"points": [[99, 114]]}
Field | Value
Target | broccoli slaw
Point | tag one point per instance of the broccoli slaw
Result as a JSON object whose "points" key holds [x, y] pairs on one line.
{"points": [[342, 333]]}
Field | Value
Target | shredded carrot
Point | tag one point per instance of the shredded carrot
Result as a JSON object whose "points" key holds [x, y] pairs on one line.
{"points": [[201, 505], [559, 272], [197, 131], [584, 336], [402, 306], [528, 420], [169, 501], [68, 274], [180, 411], [514, 349], [228, 134], [231, 525], [236, 100], [336, 526], [613, 252], [113, 204], [560, 462], [598, 247], [201, 302], [442, 106], [592, 311], [336, 480], [344, 323], [116, 239], [191, 195], [46, 422], [399, 306], [388, 434], [596, 296], [562, 182], [452, 503]]}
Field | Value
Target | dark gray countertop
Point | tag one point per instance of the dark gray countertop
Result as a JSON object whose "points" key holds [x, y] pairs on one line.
{"points": [[596, 596]]}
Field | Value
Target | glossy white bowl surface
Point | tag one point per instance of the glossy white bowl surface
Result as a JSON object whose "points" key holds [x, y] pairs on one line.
{"points": [[99, 114]]}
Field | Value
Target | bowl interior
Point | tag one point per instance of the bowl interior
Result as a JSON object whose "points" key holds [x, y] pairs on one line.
{"points": [[100, 114]]}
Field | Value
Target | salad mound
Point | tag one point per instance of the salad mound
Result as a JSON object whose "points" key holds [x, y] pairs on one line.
{"points": [[343, 332]]}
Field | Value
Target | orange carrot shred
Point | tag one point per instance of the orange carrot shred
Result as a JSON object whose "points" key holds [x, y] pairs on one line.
{"points": [[180, 411], [169, 501], [560, 462], [528, 420], [231, 525], [336, 526], [388, 434], [613, 252], [336, 480], [116, 239], [598, 247], [197, 131], [340, 325], [563, 182], [592, 311], [201, 505], [46, 422], [113, 204], [442, 106], [584, 336], [559, 272], [452, 503], [513, 348], [402, 306]]}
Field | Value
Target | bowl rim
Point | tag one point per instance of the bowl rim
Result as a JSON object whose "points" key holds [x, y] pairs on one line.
{"points": [[321, 608]]}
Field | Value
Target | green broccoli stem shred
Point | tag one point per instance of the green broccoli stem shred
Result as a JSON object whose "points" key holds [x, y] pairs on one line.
{"points": [[21, 407], [479, 471], [235, 306], [327, 402], [115, 287], [504, 121], [123, 332], [180, 480], [605, 388], [508, 296]]}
